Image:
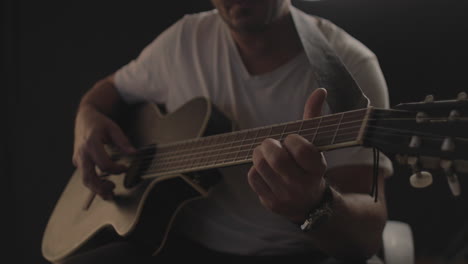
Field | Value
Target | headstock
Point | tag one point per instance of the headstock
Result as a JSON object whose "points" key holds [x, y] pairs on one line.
{"points": [[427, 135]]}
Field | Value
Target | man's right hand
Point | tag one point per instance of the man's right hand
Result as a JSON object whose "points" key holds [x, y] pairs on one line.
{"points": [[92, 131]]}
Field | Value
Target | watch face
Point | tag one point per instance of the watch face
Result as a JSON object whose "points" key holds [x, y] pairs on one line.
{"points": [[319, 214], [306, 225]]}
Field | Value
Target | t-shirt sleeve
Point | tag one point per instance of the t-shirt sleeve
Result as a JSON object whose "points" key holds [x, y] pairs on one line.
{"points": [[371, 80], [146, 77], [365, 68]]}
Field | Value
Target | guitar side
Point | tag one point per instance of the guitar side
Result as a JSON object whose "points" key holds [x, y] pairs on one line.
{"points": [[143, 213]]}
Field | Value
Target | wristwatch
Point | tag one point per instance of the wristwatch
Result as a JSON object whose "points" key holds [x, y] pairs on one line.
{"points": [[321, 212]]}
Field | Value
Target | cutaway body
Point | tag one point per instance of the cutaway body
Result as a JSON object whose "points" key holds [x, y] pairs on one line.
{"points": [[143, 213]]}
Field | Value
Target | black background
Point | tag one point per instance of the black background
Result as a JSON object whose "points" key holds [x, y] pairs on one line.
{"points": [[53, 51]]}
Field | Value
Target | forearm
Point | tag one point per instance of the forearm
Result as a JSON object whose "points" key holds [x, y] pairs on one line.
{"points": [[103, 97], [354, 230]]}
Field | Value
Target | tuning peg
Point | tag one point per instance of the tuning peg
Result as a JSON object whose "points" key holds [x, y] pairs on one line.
{"points": [[462, 96], [421, 117], [429, 99], [415, 142], [454, 115], [452, 178], [448, 145], [419, 179]]}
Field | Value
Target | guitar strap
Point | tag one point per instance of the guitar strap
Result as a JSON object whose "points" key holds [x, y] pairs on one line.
{"points": [[344, 93]]}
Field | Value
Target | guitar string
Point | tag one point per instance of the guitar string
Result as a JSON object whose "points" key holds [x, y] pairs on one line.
{"points": [[280, 126], [248, 142], [227, 154], [214, 153], [217, 147], [170, 144], [209, 146], [214, 147], [164, 145], [384, 133], [152, 174], [205, 160], [168, 167]]}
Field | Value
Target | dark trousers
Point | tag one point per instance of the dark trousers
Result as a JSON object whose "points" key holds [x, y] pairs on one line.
{"points": [[123, 252]]}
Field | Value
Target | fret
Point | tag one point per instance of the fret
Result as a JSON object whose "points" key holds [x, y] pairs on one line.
{"points": [[300, 127], [231, 155], [240, 136], [315, 129], [181, 154], [206, 151], [337, 128], [347, 134], [245, 146], [309, 128], [224, 153], [282, 132], [325, 132], [276, 132], [292, 128], [249, 154], [195, 158], [219, 148], [173, 150], [185, 154], [350, 126], [263, 134], [192, 157], [270, 132], [170, 158], [162, 164], [189, 149]]}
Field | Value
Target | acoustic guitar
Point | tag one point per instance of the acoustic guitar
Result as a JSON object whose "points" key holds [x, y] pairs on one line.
{"points": [[178, 155]]}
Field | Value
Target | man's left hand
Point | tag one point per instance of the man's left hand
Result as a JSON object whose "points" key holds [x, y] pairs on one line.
{"points": [[288, 176]]}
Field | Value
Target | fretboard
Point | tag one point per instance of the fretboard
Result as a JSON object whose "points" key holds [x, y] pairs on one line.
{"points": [[325, 132]]}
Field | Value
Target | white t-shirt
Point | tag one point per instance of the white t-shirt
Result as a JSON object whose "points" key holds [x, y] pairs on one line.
{"points": [[197, 57]]}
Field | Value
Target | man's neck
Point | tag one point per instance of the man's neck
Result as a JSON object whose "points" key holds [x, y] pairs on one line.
{"points": [[265, 51]]}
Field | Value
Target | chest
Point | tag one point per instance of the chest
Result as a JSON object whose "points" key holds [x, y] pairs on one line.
{"points": [[250, 101]]}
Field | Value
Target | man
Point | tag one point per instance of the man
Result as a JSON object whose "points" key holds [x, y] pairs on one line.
{"points": [[255, 61]]}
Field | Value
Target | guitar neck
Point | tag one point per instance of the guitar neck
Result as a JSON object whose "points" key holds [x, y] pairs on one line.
{"points": [[326, 133]]}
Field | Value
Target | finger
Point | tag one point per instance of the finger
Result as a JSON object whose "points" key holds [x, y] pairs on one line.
{"points": [[314, 104], [306, 155], [272, 179], [258, 184], [280, 160], [102, 159], [103, 188], [120, 140]]}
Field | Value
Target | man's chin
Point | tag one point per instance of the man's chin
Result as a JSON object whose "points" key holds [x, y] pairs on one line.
{"points": [[248, 26], [246, 19]]}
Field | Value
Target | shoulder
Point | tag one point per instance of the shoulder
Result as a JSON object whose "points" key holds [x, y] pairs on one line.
{"points": [[184, 34], [347, 47]]}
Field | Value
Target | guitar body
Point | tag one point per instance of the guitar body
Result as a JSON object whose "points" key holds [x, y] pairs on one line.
{"points": [[145, 212]]}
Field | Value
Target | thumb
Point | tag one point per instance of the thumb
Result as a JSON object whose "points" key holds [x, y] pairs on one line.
{"points": [[314, 104]]}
